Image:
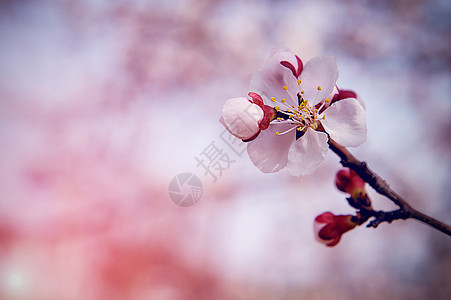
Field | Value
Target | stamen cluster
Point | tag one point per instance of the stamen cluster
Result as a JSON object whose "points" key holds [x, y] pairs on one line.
{"points": [[301, 116]]}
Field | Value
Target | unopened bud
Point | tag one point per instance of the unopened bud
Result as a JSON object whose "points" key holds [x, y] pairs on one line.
{"points": [[350, 182], [328, 228]]}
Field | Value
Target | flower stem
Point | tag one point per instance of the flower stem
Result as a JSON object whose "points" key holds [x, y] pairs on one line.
{"points": [[383, 188]]}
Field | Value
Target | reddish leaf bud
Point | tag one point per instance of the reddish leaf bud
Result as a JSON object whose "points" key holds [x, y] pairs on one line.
{"points": [[328, 227], [349, 182]]}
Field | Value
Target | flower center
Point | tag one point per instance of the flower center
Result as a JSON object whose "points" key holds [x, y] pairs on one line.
{"points": [[300, 115]]}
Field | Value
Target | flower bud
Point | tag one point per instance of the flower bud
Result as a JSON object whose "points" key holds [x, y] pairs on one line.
{"points": [[241, 117], [328, 227], [349, 182], [245, 118]]}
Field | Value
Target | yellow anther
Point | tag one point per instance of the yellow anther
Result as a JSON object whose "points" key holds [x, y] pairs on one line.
{"points": [[324, 117], [277, 133], [299, 81], [273, 99], [277, 108], [288, 110], [299, 128], [302, 92], [279, 118], [316, 110], [327, 100], [293, 106], [302, 119], [318, 88], [282, 100], [285, 87]]}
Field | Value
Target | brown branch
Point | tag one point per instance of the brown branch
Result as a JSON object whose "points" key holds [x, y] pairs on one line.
{"points": [[382, 187]]}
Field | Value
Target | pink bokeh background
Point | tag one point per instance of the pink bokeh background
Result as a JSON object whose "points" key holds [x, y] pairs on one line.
{"points": [[102, 103]]}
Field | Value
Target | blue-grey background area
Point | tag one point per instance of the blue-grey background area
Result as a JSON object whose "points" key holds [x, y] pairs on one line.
{"points": [[102, 103]]}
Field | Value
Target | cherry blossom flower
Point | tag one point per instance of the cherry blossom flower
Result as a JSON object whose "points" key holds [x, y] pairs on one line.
{"points": [[328, 228], [294, 111], [306, 116]]}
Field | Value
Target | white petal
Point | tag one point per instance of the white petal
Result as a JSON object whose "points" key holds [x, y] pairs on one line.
{"points": [[330, 97], [321, 71], [269, 152], [242, 117], [333, 93], [345, 122], [269, 80], [307, 153], [361, 102], [358, 99], [283, 54]]}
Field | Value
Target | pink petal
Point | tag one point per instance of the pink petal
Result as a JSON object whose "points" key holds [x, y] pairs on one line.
{"points": [[345, 122], [241, 117], [269, 152], [307, 153], [269, 80], [282, 54], [335, 91], [331, 97], [361, 102], [320, 72]]}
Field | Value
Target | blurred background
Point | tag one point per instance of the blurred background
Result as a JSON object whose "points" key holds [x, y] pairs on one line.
{"points": [[103, 103]]}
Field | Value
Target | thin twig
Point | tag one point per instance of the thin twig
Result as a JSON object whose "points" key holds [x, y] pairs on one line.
{"points": [[382, 187]]}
